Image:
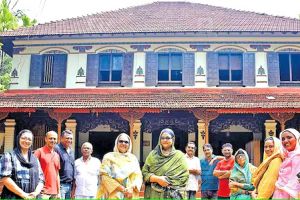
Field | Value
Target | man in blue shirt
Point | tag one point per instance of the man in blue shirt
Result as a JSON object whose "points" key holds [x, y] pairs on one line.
{"points": [[209, 186], [66, 172]]}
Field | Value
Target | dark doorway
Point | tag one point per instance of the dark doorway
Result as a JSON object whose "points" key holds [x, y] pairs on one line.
{"points": [[237, 139], [181, 138], [103, 142]]}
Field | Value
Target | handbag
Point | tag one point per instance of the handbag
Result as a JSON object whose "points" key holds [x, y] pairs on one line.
{"points": [[172, 193]]}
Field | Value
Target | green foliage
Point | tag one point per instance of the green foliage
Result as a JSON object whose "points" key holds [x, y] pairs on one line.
{"points": [[27, 22], [10, 20], [5, 71]]}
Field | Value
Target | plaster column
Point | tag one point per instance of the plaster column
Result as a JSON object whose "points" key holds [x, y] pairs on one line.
{"points": [[9, 134], [201, 138], [270, 128], [136, 142], [71, 125], [139, 65], [261, 69], [200, 69]]}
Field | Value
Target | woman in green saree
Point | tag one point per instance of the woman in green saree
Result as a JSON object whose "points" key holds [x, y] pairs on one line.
{"points": [[240, 178], [165, 171]]}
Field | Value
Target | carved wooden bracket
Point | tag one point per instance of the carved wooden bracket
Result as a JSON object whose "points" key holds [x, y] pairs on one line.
{"points": [[206, 116], [131, 116], [59, 117], [203, 114], [282, 118], [3, 115]]}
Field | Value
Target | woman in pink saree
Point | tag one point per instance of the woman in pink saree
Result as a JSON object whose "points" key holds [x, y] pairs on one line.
{"points": [[287, 185]]}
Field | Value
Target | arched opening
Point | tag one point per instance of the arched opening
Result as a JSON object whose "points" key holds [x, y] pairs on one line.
{"points": [[236, 135]]}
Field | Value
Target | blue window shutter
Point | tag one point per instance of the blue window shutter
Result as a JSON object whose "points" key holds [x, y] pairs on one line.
{"points": [[92, 70], [212, 69], [127, 70], [36, 70], [188, 70], [249, 69], [60, 70], [151, 74], [273, 69]]}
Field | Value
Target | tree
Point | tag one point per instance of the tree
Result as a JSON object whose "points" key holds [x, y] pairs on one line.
{"points": [[10, 20]]}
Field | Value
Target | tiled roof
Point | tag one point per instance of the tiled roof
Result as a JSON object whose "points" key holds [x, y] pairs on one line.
{"points": [[164, 17], [181, 98]]}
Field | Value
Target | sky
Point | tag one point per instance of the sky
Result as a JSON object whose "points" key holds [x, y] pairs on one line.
{"points": [[51, 10]]}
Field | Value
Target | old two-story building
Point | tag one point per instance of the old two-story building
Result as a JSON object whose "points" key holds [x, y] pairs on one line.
{"points": [[212, 74]]}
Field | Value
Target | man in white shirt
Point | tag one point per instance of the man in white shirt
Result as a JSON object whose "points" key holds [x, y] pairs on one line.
{"points": [[194, 170], [86, 173]]}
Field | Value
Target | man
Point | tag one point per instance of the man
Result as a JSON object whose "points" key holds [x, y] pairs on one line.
{"points": [[194, 170], [87, 171], [209, 186], [66, 171], [222, 171], [50, 165]]}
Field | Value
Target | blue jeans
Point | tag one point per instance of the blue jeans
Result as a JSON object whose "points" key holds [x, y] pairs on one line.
{"points": [[209, 194], [65, 190]]}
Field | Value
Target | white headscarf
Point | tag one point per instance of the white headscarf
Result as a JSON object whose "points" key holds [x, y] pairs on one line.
{"points": [[297, 136], [116, 143]]}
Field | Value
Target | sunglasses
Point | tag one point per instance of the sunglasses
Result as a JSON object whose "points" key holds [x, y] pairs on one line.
{"points": [[123, 141]]}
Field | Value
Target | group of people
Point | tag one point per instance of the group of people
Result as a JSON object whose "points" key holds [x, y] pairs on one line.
{"points": [[234, 177], [52, 172]]}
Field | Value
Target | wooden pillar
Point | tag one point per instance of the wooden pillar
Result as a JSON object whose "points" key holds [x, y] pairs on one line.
{"points": [[205, 117], [131, 116], [71, 125], [59, 117], [201, 137], [256, 152], [9, 134], [282, 118], [270, 128], [136, 142]]}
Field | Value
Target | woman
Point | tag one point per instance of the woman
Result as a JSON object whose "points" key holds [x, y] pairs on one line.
{"points": [[266, 174], [287, 185], [240, 177], [20, 171], [165, 171], [120, 171]]}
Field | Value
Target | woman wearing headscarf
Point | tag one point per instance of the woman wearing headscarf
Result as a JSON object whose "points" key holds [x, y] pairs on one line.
{"points": [[121, 176], [240, 178], [20, 170], [165, 171], [287, 185], [266, 174]]}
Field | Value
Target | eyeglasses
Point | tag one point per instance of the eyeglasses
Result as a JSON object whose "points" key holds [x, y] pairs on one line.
{"points": [[241, 156], [123, 141], [26, 138], [165, 138]]}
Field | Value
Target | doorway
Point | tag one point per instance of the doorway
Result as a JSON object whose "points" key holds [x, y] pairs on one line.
{"points": [[237, 139], [103, 142]]}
